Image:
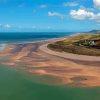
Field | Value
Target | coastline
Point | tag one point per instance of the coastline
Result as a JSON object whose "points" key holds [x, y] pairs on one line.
{"points": [[30, 57], [68, 55], [5, 44], [45, 40]]}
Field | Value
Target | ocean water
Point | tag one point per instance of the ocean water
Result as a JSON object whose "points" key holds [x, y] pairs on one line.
{"points": [[13, 37], [24, 37], [18, 85]]}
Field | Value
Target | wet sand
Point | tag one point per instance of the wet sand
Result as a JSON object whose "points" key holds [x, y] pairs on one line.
{"points": [[74, 72]]}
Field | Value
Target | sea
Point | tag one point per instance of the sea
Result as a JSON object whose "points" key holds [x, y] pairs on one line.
{"points": [[28, 37], [19, 85], [15, 37]]}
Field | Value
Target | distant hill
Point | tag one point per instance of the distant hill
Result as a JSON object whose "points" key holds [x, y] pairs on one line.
{"points": [[94, 31]]}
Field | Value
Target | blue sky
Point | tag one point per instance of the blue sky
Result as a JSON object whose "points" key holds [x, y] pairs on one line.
{"points": [[49, 15]]}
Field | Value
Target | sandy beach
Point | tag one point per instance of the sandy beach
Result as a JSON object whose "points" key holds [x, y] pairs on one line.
{"points": [[74, 70], [69, 55]]}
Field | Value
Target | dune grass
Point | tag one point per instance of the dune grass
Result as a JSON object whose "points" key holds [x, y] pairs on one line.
{"points": [[67, 45]]}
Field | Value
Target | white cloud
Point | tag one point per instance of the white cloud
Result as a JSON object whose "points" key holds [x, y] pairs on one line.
{"points": [[88, 9], [97, 3], [56, 14], [43, 6], [7, 26], [71, 4], [83, 14], [97, 17]]}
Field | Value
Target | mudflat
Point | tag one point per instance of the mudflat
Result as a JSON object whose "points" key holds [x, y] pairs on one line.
{"points": [[74, 72]]}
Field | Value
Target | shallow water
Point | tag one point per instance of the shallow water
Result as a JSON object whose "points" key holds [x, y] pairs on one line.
{"points": [[17, 85]]}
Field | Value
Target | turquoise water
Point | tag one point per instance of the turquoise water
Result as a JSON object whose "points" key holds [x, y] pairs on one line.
{"points": [[16, 85], [9, 37]]}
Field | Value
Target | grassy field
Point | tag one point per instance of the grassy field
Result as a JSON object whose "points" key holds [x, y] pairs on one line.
{"points": [[69, 45]]}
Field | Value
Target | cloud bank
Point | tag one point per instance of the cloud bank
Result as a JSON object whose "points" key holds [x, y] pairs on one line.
{"points": [[83, 14], [97, 3]]}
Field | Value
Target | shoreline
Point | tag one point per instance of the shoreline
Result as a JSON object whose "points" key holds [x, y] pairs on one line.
{"points": [[5, 44], [31, 58], [72, 56], [67, 55]]}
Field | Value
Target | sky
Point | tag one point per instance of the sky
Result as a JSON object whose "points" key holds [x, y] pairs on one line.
{"points": [[49, 15]]}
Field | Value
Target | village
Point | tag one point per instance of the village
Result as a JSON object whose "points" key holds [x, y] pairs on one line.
{"points": [[89, 43]]}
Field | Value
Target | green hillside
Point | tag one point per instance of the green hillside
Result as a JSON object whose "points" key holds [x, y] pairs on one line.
{"points": [[83, 44]]}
